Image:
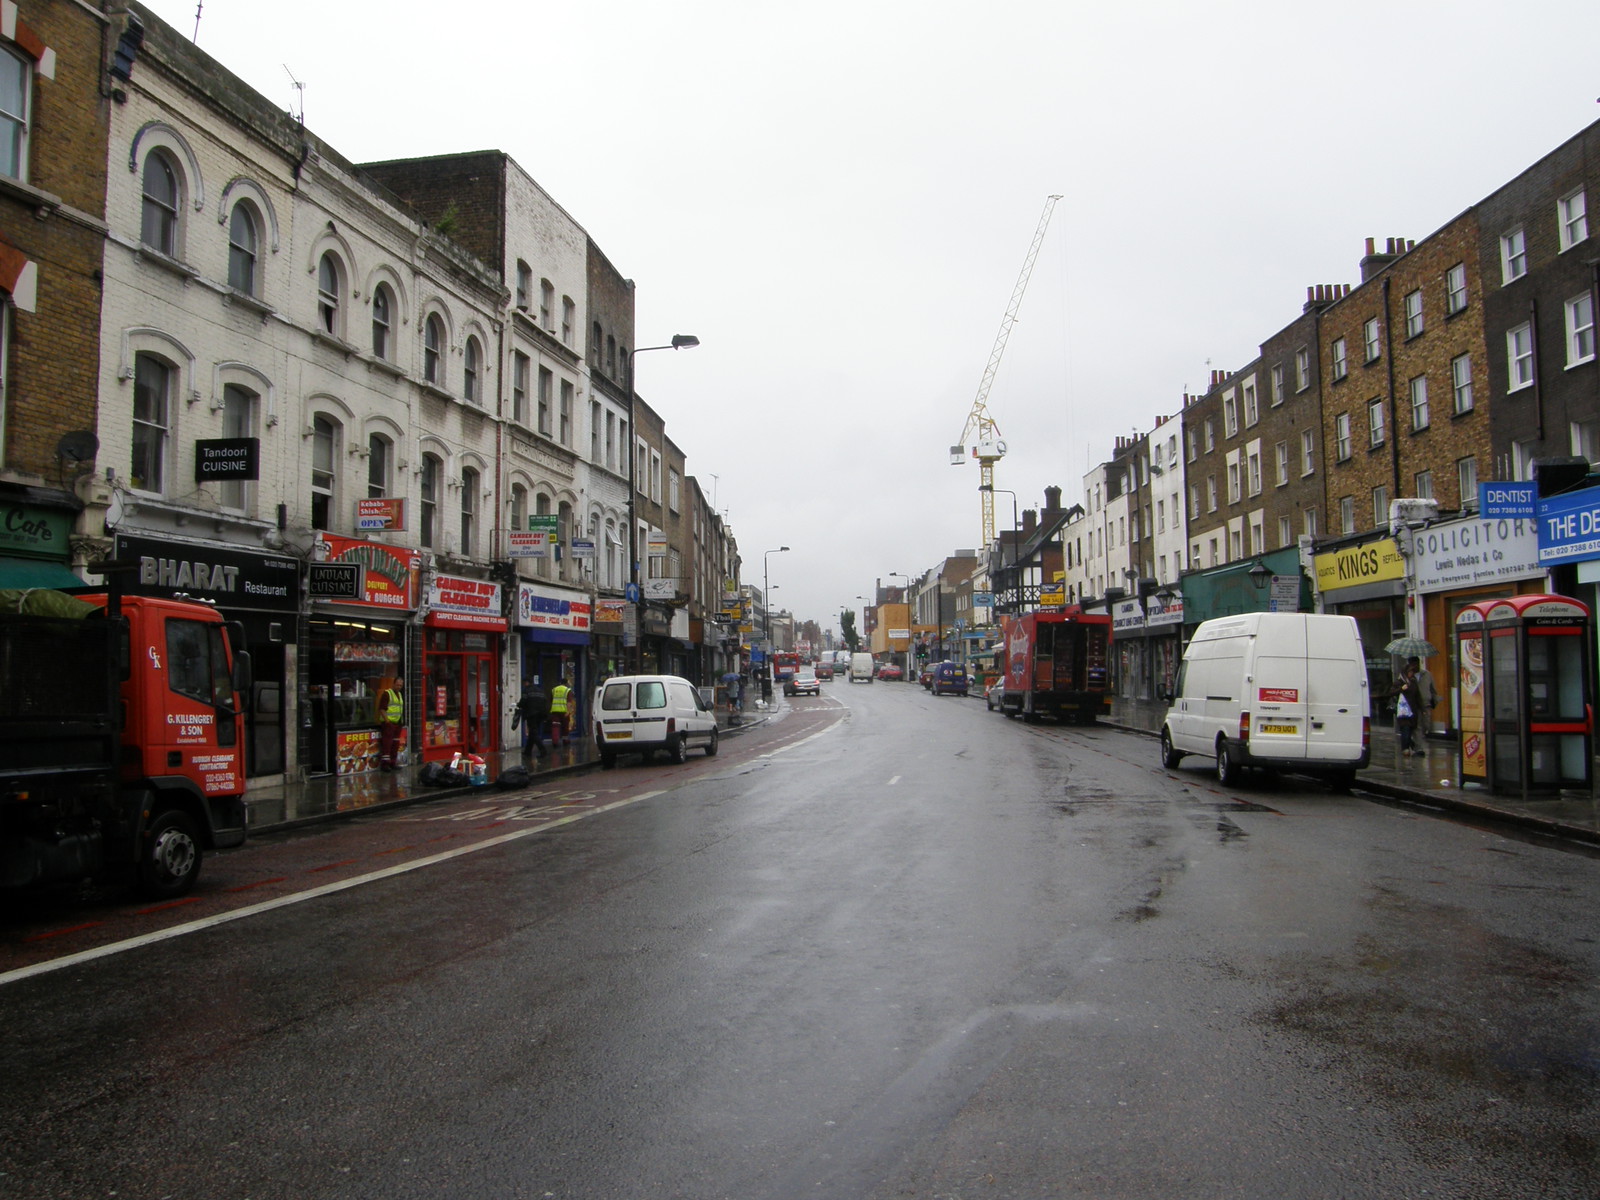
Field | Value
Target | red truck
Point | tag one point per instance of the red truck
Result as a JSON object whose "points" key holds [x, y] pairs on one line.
{"points": [[1055, 663], [121, 738]]}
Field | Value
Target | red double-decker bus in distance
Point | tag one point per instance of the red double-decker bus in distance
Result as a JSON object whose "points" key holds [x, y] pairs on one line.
{"points": [[784, 664]]}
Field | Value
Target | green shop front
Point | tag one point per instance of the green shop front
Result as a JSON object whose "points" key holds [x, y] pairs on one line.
{"points": [[36, 537], [1265, 583]]}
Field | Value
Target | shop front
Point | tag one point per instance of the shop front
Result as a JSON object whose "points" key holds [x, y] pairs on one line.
{"points": [[556, 629], [35, 537], [1456, 564], [463, 631], [608, 637], [362, 598], [1129, 640], [1266, 583], [259, 591], [1163, 622], [1367, 581]]}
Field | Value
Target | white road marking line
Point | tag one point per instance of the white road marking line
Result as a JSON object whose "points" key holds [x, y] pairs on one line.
{"points": [[894, 781], [801, 742], [328, 889]]}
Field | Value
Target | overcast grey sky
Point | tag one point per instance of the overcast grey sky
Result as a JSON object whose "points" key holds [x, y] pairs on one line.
{"points": [[837, 198]]}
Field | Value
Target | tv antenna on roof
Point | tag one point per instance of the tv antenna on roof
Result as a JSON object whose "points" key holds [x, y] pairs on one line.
{"points": [[300, 97]]}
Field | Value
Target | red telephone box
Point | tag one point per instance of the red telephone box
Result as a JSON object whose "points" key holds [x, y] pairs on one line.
{"points": [[1524, 683]]}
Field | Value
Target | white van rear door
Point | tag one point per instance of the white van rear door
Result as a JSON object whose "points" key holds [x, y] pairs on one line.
{"points": [[1278, 691], [1337, 704]]}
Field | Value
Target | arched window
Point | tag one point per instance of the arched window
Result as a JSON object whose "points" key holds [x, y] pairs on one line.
{"points": [[432, 348], [541, 508], [238, 421], [330, 294], [324, 475], [430, 476], [519, 508], [469, 511], [153, 381], [564, 539], [382, 320], [242, 242], [159, 228], [380, 456], [469, 378]]}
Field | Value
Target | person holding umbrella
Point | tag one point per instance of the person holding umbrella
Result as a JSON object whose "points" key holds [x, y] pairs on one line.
{"points": [[734, 684], [1413, 692]]}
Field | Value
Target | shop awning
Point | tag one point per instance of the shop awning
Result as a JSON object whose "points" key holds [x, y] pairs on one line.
{"points": [[36, 573]]}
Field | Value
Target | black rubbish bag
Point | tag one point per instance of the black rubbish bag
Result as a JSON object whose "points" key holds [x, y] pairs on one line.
{"points": [[452, 778], [513, 778], [429, 775]]}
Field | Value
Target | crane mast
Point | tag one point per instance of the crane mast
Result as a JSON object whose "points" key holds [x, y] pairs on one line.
{"points": [[982, 432]]}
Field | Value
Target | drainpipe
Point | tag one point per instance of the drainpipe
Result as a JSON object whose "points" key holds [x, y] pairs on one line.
{"points": [[1381, 519]]}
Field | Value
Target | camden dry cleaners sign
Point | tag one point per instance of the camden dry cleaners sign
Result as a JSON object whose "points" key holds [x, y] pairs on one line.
{"points": [[1475, 551]]}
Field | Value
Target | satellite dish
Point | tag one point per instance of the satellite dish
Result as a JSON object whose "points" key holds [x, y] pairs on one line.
{"points": [[79, 446]]}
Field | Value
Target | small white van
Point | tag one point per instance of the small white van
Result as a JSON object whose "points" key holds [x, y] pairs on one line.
{"points": [[861, 670], [640, 714], [1274, 691]]}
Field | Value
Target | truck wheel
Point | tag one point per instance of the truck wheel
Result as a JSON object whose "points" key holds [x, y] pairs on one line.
{"points": [[169, 857], [711, 746], [678, 749], [1228, 771], [1170, 758]]}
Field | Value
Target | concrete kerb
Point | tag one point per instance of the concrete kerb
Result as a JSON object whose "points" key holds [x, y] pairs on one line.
{"points": [[584, 759]]}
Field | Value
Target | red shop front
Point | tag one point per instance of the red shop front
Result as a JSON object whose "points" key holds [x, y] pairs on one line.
{"points": [[461, 649]]}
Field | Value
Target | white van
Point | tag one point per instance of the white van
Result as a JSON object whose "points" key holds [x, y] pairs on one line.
{"points": [[861, 667], [1273, 690], [640, 714]]}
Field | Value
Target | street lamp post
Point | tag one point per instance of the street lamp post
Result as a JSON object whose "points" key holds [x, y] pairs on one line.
{"points": [[766, 618], [766, 603], [680, 341]]}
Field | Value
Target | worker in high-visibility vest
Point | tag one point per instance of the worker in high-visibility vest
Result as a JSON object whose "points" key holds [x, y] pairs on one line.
{"points": [[391, 722], [560, 714]]}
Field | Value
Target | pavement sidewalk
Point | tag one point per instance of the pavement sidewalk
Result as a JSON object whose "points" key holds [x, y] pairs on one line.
{"points": [[299, 802], [1429, 779]]}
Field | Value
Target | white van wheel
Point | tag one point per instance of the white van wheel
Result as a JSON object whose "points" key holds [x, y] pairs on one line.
{"points": [[1170, 758], [1228, 771], [678, 749], [711, 746]]}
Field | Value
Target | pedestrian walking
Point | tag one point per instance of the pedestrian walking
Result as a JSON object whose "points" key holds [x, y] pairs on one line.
{"points": [[391, 721], [560, 715], [532, 713], [1427, 692], [1407, 704]]}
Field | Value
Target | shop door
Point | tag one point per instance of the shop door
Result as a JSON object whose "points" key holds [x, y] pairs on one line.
{"points": [[477, 702]]}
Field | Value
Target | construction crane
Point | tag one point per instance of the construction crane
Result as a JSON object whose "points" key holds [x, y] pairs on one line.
{"points": [[982, 432]]}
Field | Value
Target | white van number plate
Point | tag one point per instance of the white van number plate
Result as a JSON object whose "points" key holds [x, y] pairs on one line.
{"points": [[1279, 729]]}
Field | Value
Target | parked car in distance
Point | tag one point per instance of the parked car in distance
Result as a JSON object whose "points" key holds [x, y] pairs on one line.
{"points": [[995, 693], [825, 671], [803, 682], [949, 679], [890, 671], [640, 714], [925, 677]]}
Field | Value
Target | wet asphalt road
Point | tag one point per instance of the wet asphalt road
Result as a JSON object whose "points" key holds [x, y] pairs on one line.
{"points": [[887, 946]]}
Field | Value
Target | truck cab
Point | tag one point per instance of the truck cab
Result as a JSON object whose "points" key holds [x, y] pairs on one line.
{"points": [[121, 740]]}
